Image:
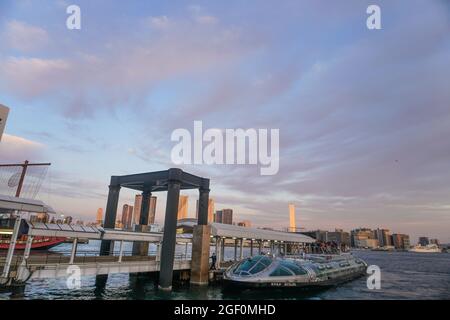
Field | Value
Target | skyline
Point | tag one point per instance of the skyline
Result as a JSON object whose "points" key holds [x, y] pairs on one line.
{"points": [[363, 115]]}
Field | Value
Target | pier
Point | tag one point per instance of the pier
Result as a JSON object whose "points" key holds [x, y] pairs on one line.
{"points": [[18, 267]]}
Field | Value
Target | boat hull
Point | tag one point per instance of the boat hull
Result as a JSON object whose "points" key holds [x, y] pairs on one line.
{"points": [[39, 243], [309, 273]]}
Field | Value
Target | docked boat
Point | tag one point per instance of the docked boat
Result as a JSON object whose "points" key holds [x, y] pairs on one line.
{"points": [[40, 243], [430, 248], [312, 271]]}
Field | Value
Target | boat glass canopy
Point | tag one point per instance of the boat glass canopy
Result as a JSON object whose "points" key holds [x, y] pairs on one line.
{"points": [[252, 265]]}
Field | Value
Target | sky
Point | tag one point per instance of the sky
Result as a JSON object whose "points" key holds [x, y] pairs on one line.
{"points": [[364, 115]]}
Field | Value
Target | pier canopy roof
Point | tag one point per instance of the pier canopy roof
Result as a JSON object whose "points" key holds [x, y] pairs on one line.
{"points": [[231, 231], [8, 203], [95, 233], [159, 180]]}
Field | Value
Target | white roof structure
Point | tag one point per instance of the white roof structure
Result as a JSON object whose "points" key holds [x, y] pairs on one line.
{"points": [[231, 231], [95, 233], [23, 204]]}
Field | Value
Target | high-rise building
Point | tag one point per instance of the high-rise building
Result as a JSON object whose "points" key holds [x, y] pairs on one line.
{"points": [[339, 236], [218, 216], [99, 219], [224, 216], [210, 210], [152, 210], [434, 241], [138, 206], [127, 216], [292, 225], [182, 207], [384, 237], [401, 241], [424, 241], [359, 236]]}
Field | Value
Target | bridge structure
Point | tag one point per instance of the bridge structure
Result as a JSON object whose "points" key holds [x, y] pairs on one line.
{"points": [[112, 258]]}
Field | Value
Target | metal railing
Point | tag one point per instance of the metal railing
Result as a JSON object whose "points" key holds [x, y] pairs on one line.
{"points": [[88, 257]]}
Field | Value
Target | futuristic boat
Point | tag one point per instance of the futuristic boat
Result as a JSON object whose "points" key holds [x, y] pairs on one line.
{"points": [[312, 271]]}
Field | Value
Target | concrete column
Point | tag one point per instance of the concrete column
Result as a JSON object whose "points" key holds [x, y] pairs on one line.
{"points": [[251, 247], [110, 215], [200, 255], [139, 247], [235, 249], [241, 250], [222, 250], [169, 237], [158, 252], [201, 239], [121, 251], [217, 251], [74, 250], [260, 246], [203, 202]]}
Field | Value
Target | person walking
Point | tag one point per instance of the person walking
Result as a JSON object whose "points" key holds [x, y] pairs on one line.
{"points": [[213, 262]]}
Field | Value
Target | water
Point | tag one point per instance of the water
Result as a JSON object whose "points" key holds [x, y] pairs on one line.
{"points": [[404, 275]]}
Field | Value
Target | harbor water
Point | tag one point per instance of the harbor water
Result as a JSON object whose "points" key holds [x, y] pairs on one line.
{"points": [[404, 275]]}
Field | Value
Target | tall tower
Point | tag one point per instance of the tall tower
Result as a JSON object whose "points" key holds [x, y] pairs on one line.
{"points": [[183, 208], [292, 227], [152, 210], [99, 219], [137, 208], [210, 210], [127, 213]]}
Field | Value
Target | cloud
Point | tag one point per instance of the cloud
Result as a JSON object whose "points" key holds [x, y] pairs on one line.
{"points": [[125, 70], [160, 22], [33, 77], [18, 149], [24, 37]]}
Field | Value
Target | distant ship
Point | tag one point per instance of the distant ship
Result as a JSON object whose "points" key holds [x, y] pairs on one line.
{"points": [[385, 248], [430, 248], [264, 271]]}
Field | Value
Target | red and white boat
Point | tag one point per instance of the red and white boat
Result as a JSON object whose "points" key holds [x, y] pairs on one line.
{"points": [[38, 242]]}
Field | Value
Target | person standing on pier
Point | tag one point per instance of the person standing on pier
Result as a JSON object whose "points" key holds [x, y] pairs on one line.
{"points": [[213, 261]]}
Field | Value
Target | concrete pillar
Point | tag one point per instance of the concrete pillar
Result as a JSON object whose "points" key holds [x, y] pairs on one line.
{"points": [[139, 247], [235, 249], [222, 250], [200, 255], [110, 215], [251, 247], [121, 251], [201, 239], [74, 250], [170, 228], [203, 202], [217, 251], [260, 246], [241, 250]]}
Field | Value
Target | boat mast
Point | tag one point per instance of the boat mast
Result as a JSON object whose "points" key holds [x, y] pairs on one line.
{"points": [[24, 166]]}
